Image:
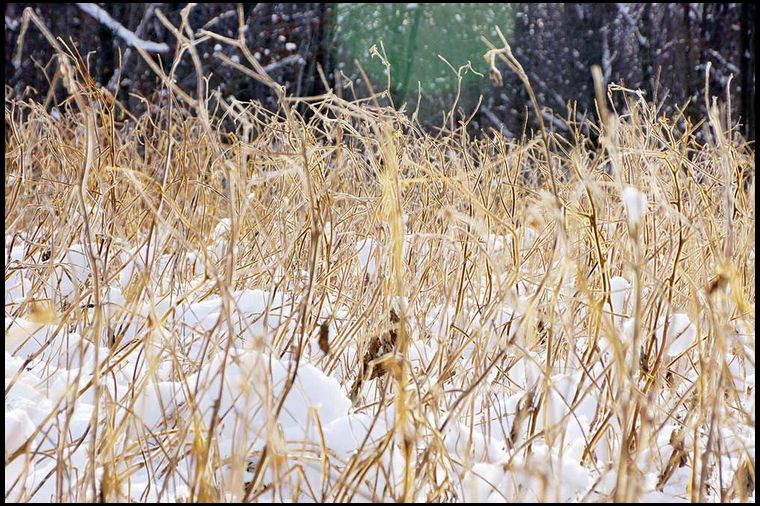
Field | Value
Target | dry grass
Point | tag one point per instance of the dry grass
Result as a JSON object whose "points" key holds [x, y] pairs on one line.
{"points": [[493, 266]]}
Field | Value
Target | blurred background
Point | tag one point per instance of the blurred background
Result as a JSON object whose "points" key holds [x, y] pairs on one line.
{"points": [[662, 49]]}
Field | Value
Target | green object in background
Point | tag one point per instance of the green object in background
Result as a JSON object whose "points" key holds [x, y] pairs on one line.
{"points": [[413, 35]]}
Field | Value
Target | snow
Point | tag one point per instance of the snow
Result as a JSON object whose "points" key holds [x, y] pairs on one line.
{"points": [[18, 428], [16, 288], [248, 396], [185, 365], [294, 58], [11, 23], [635, 206], [681, 334], [473, 445], [129, 37], [23, 336], [497, 483], [619, 290], [365, 254]]}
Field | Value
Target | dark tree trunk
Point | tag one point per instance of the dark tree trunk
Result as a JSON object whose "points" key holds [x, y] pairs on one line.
{"points": [[688, 50], [645, 51], [746, 66]]}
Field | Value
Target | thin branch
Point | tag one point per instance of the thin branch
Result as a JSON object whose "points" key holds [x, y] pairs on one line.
{"points": [[496, 121], [119, 29]]}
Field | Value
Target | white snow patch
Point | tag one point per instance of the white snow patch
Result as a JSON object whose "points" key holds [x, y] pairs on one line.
{"points": [[635, 203]]}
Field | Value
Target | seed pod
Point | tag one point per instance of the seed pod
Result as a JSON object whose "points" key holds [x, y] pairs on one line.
{"points": [[324, 333]]}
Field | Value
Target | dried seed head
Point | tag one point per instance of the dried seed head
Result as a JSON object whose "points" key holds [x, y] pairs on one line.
{"points": [[718, 283], [324, 334], [42, 311]]}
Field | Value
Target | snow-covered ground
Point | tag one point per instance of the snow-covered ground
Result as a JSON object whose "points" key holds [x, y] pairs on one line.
{"points": [[186, 395]]}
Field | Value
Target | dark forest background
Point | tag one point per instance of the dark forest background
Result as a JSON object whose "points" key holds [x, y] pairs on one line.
{"points": [[662, 49]]}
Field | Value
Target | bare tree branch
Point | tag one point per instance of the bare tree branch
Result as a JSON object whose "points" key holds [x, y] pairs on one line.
{"points": [[496, 121], [119, 29]]}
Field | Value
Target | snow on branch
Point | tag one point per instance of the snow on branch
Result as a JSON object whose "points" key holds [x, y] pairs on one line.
{"points": [[11, 23], [119, 29], [730, 66], [227, 14], [623, 10], [296, 58], [556, 122], [496, 121]]}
